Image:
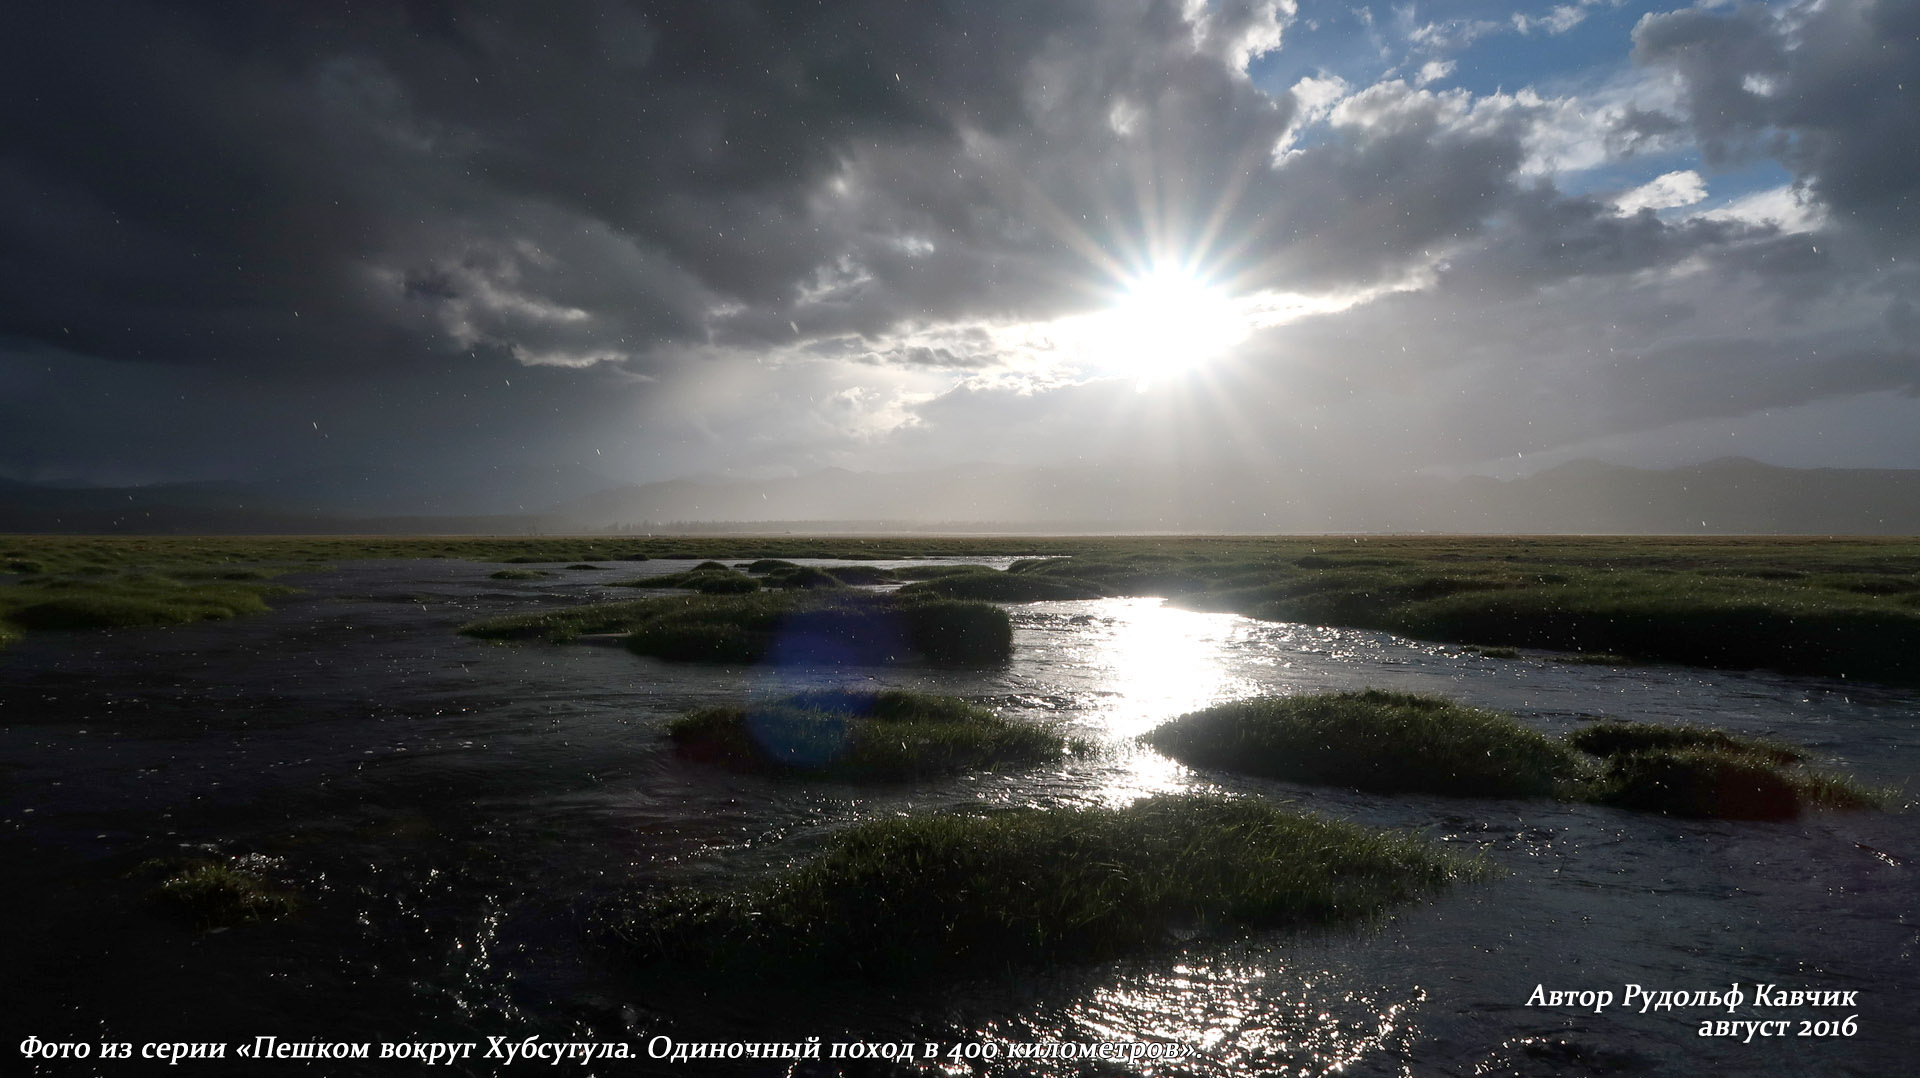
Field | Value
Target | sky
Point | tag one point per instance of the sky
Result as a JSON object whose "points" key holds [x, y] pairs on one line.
{"points": [[640, 241]]}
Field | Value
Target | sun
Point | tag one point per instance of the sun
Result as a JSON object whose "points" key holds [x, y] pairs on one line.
{"points": [[1165, 322]]}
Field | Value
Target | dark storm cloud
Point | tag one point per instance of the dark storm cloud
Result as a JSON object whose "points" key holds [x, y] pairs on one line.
{"points": [[312, 185], [1827, 89], [184, 182], [329, 185], [67, 418], [162, 198], [726, 209]]}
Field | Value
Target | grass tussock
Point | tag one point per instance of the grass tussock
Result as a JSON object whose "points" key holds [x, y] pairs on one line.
{"points": [[828, 629], [918, 897], [518, 574], [1493, 652], [1699, 783], [932, 572], [863, 575], [1698, 621], [1383, 741], [65, 584], [709, 579], [1704, 773], [561, 625], [816, 628], [1399, 743], [779, 573], [211, 894], [1615, 738], [1004, 587], [885, 736], [804, 578], [108, 601]]}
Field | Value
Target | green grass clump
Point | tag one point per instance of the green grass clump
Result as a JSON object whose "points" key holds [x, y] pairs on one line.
{"points": [[107, 603], [89, 591], [709, 579], [1613, 738], [1825, 790], [1138, 572], [932, 572], [786, 574], [1702, 621], [517, 574], [1701, 784], [1384, 741], [863, 575], [797, 627], [828, 628], [863, 736], [1399, 743], [186, 575], [1704, 773], [1869, 583], [215, 895], [564, 624], [918, 897], [803, 577], [1008, 587], [953, 632], [722, 583]]}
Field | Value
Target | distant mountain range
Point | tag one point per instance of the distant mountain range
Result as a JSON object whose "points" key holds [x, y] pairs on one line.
{"points": [[1728, 496], [1732, 495]]}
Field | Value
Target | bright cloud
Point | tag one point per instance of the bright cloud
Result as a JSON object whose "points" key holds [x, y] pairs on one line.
{"points": [[1664, 192]]}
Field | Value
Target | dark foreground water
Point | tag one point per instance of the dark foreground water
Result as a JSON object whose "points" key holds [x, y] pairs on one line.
{"points": [[449, 812]]}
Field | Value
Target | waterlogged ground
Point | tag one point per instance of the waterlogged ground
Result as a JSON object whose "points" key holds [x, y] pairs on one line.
{"points": [[448, 813]]}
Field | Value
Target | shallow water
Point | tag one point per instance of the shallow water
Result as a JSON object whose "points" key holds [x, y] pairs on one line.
{"points": [[449, 812]]}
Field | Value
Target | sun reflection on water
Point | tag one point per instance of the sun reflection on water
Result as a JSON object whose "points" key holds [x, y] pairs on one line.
{"points": [[1238, 1026], [1145, 662], [1242, 1017], [1158, 662]]}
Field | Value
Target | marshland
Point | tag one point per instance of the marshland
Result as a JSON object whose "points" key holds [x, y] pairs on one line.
{"points": [[1293, 802]]}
